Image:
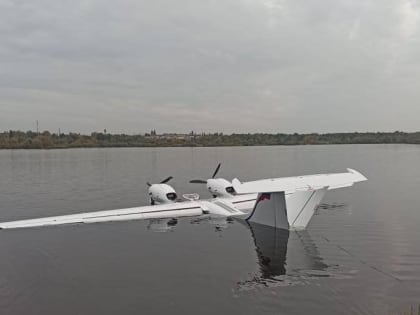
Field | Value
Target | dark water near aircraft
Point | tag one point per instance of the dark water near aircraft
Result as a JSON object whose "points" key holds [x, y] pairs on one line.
{"points": [[360, 254]]}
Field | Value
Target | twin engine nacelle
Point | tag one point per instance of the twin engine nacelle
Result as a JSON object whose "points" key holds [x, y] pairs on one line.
{"points": [[161, 194], [220, 187]]}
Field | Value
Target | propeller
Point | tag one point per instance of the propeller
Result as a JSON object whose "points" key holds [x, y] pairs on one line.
{"points": [[167, 179], [216, 170], [198, 181], [202, 181]]}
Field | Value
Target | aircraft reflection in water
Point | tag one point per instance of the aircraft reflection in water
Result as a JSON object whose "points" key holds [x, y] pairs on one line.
{"points": [[162, 225], [284, 257], [167, 225]]}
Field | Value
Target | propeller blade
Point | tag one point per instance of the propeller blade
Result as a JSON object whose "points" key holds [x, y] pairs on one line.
{"points": [[148, 184], [217, 170], [166, 180], [198, 181]]}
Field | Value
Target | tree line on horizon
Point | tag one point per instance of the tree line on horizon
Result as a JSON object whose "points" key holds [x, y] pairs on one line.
{"points": [[46, 140]]}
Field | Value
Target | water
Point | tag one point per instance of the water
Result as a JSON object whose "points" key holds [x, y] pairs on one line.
{"points": [[360, 254]]}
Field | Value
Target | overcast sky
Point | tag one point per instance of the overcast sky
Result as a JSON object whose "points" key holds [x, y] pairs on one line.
{"points": [[205, 65]]}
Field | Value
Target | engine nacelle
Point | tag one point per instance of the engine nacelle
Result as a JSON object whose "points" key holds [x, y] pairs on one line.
{"points": [[161, 194], [220, 187]]}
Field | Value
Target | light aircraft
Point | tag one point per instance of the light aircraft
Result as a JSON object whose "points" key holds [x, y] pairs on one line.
{"points": [[284, 203]]}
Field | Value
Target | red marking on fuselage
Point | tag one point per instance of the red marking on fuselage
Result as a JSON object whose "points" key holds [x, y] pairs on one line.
{"points": [[264, 197]]}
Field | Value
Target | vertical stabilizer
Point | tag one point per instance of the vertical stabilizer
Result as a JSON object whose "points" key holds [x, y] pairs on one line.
{"points": [[270, 209], [294, 212], [301, 207]]}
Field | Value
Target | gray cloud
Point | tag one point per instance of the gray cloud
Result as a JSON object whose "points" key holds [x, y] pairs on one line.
{"points": [[232, 65]]}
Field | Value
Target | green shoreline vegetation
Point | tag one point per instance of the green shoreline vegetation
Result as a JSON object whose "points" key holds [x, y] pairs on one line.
{"points": [[46, 140]]}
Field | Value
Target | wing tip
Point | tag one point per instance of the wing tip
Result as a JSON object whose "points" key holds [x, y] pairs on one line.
{"points": [[359, 177]]}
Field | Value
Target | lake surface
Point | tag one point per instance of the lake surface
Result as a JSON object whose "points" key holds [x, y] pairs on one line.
{"points": [[359, 255]]}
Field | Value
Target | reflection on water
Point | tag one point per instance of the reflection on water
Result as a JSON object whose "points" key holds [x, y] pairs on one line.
{"points": [[219, 222], [332, 206], [162, 225], [284, 257], [271, 248]]}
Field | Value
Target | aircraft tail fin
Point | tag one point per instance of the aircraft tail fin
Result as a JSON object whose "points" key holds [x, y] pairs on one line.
{"points": [[301, 207], [270, 209], [304, 194]]}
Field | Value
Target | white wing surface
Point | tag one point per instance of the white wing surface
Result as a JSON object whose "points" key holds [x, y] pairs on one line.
{"points": [[181, 209], [300, 183]]}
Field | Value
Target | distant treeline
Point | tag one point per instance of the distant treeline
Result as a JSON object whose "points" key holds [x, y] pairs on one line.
{"points": [[46, 140]]}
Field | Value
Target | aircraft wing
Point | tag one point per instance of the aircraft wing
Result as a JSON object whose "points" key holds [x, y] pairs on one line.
{"points": [[179, 209], [299, 183]]}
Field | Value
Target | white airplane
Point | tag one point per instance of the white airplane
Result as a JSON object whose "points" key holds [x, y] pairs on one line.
{"points": [[284, 203]]}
